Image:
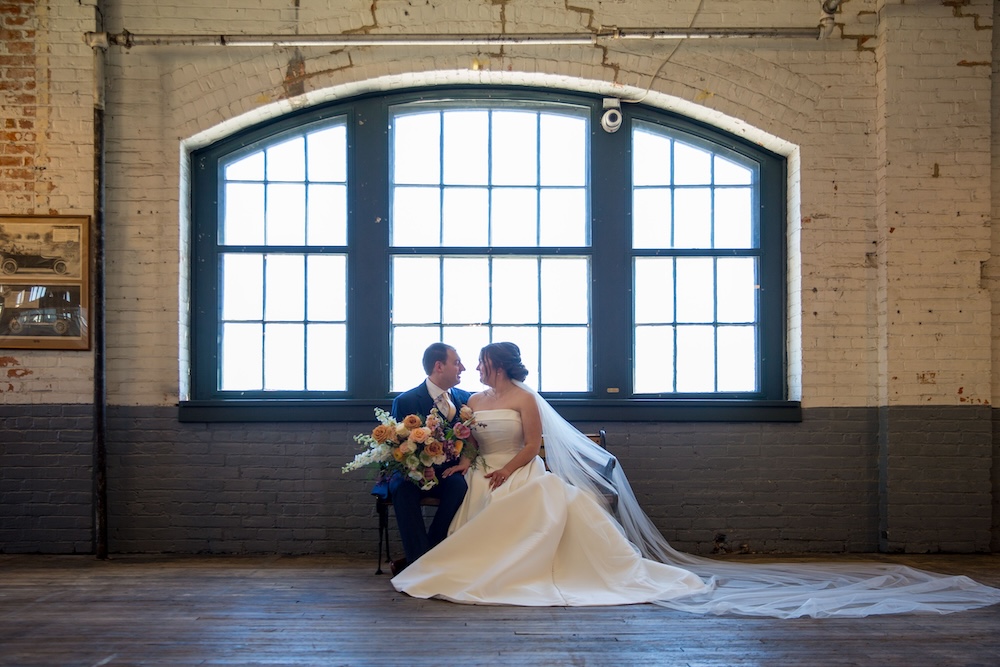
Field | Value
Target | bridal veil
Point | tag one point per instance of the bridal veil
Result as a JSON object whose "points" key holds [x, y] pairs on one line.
{"points": [[782, 590]]}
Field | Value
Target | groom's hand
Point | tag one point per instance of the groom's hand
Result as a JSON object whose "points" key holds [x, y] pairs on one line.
{"points": [[462, 465]]}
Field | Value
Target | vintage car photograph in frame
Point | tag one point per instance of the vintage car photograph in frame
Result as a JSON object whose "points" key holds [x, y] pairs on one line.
{"points": [[44, 282], [39, 248]]}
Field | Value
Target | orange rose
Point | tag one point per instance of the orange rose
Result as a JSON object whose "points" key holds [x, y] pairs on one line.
{"points": [[398, 454], [420, 434], [383, 433], [434, 448], [411, 422], [458, 447]]}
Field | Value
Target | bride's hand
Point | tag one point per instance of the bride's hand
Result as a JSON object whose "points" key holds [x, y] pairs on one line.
{"points": [[497, 477], [462, 465]]}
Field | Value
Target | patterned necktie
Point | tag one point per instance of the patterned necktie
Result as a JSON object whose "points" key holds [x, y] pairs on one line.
{"points": [[443, 402]]}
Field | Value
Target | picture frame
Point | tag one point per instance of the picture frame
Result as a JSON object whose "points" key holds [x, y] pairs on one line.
{"points": [[45, 282]]}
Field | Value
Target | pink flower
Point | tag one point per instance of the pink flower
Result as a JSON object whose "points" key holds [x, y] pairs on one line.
{"points": [[462, 431]]}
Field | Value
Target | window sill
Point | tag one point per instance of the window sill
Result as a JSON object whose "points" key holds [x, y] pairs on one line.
{"points": [[575, 410]]}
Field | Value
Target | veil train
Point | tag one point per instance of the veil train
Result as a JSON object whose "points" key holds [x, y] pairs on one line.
{"points": [[781, 590]]}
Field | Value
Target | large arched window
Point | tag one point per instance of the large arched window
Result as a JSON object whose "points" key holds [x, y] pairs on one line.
{"points": [[640, 271]]}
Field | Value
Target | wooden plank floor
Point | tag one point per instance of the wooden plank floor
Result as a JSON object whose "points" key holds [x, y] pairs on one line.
{"points": [[318, 610]]}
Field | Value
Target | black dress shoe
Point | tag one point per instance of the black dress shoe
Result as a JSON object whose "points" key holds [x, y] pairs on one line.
{"points": [[397, 566]]}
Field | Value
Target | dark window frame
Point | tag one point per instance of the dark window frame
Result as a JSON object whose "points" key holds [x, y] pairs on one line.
{"points": [[368, 306]]}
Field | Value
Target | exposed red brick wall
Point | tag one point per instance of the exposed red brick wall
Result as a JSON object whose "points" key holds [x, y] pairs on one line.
{"points": [[18, 105]]}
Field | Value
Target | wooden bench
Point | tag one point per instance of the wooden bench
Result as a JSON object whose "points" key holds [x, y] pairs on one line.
{"points": [[382, 504]]}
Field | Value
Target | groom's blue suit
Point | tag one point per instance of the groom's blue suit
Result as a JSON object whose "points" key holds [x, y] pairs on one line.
{"points": [[406, 496]]}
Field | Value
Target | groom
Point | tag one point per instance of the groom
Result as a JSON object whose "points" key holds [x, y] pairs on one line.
{"points": [[444, 369]]}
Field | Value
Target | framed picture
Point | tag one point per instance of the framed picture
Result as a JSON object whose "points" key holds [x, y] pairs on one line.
{"points": [[44, 282]]}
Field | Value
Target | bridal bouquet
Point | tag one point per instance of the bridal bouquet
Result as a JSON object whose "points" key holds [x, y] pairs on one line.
{"points": [[414, 446]]}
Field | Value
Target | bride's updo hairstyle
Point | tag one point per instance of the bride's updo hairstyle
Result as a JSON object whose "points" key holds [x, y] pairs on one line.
{"points": [[507, 357]]}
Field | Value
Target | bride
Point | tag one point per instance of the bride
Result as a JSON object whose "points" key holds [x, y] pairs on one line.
{"points": [[525, 536]]}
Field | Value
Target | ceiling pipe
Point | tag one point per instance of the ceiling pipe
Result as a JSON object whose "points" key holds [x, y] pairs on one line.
{"points": [[129, 40], [828, 19]]}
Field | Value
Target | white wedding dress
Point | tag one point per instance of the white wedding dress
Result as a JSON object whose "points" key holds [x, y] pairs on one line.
{"points": [[535, 541], [545, 539]]}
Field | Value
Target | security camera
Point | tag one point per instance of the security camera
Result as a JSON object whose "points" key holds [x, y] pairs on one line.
{"points": [[611, 120]]}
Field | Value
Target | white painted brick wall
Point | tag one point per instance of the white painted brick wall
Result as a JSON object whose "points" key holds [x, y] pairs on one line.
{"points": [[934, 228], [817, 101]]}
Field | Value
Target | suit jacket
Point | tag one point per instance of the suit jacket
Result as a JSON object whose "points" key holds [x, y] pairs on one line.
{"points": [[418, 401]]}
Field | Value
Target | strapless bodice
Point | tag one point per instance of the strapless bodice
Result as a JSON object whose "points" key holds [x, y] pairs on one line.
{"points": [[498, 431]]}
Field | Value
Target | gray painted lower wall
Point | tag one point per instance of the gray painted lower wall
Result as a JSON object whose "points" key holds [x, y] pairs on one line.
{"points": [[45, 479], [854, 479]]}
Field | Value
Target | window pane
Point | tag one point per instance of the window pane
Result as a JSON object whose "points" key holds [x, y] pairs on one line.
{"points": [[565, 283], [695, 289], [654, 360], [737, 359], [466, 147], [654, 290], [244, 217], [515, 148], [737, 290], [327, 154], [241, 356], [650, 158], [693, 215], [327, 215], [416, 290], [695, 359], [565, 361], [651, 218], [692, 166], [250, 168], [515, 290], [286, 214], [326, 357], [287, 161], [466, 217], [730, 173], [285, 289], [563, 150], [408, 345], [242, 287], [416, 217], [466, 290], [733, 218], [514, 217], [416, 152], [326, 288], [284, 350], [563, 217]]}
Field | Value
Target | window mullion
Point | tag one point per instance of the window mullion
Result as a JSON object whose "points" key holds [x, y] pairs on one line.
{"points": [[611, 267], [368, 259]]}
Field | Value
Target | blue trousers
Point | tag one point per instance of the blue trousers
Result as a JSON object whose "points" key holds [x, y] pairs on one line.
{"points": [[416, 538]]}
